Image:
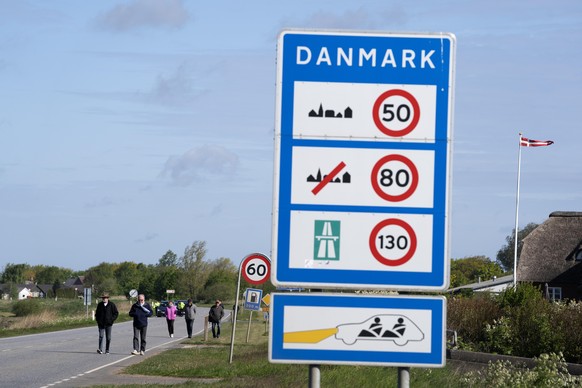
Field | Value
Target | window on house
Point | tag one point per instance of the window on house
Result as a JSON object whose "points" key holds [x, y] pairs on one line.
{"points": [[555, 293]]}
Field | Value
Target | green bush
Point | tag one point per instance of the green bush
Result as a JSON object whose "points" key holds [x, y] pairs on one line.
{"points": [[550, 371], [469, 316], [532, 328], [566, 320], [499, 337], [519, 322], [518, 296], [25, 307]]}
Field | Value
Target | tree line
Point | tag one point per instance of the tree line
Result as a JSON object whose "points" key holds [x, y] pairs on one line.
{"points": [[192, 275]]}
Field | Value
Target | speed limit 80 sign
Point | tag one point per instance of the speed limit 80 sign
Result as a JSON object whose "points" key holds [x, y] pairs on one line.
{"points": [[256, 268]]}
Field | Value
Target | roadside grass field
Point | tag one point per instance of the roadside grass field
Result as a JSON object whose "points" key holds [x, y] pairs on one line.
{"points": [[207, 362], [50, 315]]}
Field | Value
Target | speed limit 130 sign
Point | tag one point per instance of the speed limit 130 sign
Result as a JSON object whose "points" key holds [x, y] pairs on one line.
{"points": [[256, 268]]}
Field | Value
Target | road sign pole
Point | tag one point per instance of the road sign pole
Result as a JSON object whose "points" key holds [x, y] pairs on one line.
{"points": [[314, 376], [249, 328], [256, 269], [403, 377], [234, 315]]}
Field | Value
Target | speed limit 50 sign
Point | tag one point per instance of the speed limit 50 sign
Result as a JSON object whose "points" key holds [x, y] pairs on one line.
{"points": [[363, 160]]}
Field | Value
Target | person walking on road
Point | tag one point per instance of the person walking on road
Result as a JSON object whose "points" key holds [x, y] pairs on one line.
{"points": [[105, 315], [171, 317], [189, 315], [140, 311], [214, 316]]}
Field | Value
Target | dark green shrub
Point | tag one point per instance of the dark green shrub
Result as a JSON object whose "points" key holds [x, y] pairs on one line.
{"points": [[518, 322], [468, 316], [26, 307], [518, 296], [499, 337], [533, 329], [566, 320]]}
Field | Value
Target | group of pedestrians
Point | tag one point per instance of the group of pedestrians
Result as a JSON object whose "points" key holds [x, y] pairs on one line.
{"points": [[107, 313]]}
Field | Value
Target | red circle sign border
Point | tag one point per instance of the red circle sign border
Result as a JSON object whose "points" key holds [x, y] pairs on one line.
{"points": [[398, 158], [415, 107], [250, 257], [378, 256]]}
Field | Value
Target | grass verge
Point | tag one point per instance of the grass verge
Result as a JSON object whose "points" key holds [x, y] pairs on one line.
{"points": [[51, 316], [207, 362]]}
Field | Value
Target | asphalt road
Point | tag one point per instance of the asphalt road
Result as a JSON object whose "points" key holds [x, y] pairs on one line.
{"points": [[58, 358]]}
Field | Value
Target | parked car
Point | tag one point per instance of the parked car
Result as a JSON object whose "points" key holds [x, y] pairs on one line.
{"points": [[180, 304], [161, 309]]}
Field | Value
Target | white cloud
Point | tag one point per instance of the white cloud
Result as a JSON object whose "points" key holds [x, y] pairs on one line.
{"points": [[201, 163], [145, 13], [357, 18], [176, 89]]}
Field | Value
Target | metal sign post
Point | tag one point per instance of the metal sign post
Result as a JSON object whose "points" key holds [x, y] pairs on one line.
{"points": [[87, 300], [403, 377], [256, 269]]}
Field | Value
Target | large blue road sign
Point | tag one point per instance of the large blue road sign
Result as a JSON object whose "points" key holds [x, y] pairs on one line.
{"points": [[350, 329], [363, 160]]}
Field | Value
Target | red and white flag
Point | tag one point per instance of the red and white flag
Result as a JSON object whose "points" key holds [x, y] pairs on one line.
{"points": [[525, 142]]}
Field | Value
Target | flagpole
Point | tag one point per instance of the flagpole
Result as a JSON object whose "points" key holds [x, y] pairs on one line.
{"points": [[516, 213]]}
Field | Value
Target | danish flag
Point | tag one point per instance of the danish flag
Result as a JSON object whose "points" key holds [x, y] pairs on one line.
{"points": [[525, 142]]}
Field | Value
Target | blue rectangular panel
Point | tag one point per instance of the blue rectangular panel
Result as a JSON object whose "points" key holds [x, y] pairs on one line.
{"points": [[350, 329], [385, 95], [253, 298]]}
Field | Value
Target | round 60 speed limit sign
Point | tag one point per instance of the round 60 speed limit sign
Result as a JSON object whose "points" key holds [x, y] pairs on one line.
{"points": [[256, 268]]}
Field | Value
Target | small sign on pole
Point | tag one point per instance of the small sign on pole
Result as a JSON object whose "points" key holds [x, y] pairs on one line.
{"points": [[253, 299], [87, 300], [87, 296], [256, 269]]}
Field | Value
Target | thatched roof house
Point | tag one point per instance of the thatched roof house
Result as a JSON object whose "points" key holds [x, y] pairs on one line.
{"points": [[552, 255]]}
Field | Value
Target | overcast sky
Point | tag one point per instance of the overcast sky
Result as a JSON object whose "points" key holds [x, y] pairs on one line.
{"points": [[130, 128]]}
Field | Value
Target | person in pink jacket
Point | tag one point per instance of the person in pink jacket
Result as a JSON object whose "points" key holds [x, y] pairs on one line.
{"points": [[171, 317]]}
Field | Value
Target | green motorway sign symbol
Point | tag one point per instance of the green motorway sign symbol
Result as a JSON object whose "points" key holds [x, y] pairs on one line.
{"points": [[326, 240]]}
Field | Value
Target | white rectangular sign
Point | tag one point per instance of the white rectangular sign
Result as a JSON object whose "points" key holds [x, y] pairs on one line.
{"points": [[347, 110], [358, 329]]}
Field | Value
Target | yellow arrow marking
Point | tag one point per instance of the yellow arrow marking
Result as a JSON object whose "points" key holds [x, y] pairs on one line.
{"points": [[308, 336]]}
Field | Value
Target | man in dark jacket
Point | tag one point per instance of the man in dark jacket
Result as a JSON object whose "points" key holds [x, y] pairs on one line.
{"points": [[214, 316], [189, 315], [105, 315], [140, 311]]}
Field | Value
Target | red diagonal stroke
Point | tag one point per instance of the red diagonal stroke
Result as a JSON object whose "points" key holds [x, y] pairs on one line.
{"points": [[328, 178]]}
